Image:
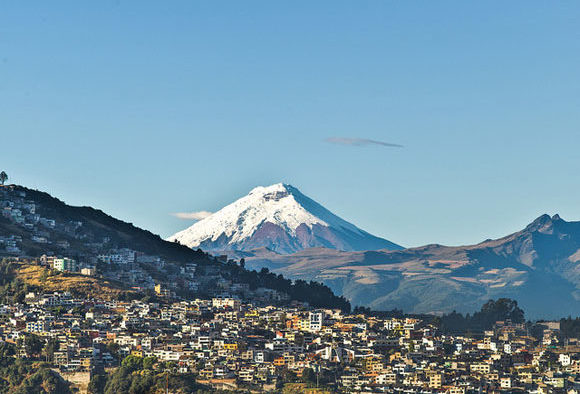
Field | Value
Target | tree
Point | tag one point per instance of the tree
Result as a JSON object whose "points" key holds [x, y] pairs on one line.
{"points": [[50, 348], [502, 309], [3, 177], [492, 311], [43, 381], [308, 375], [97, 384], [288, 376], [132, 363], [113, 348], [33, 345], [6, 350], [148, 362]]}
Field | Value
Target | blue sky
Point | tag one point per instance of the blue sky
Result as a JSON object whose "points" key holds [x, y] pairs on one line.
{"points": [[145, 108]]}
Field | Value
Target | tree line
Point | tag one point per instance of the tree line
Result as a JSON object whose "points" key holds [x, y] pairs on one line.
{"points": [[22, 376], [504, 309], [316, 294]]}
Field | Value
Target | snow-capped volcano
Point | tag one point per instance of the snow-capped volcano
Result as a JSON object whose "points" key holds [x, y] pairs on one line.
{"points": [[280, 218]]}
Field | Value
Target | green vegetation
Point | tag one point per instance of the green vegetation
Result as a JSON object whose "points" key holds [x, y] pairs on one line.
{"points": [[504, 309], [570, 328], [138, 375], [12, 288], [492, 311], [19, 376], [315, 293]]}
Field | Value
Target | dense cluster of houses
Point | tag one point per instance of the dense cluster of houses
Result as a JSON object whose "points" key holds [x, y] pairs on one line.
{"points": [[15, 207], [20, 211], [230, 344]]}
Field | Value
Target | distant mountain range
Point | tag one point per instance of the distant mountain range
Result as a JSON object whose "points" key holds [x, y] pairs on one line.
{"points": [[538, 266], [278, 217], [280, 228]]}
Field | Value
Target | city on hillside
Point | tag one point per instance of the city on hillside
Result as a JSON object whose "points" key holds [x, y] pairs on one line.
{"points": [[90, 314], [289, 197]]}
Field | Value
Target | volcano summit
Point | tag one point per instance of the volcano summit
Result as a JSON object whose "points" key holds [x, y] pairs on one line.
{"points": [[278, 217]]}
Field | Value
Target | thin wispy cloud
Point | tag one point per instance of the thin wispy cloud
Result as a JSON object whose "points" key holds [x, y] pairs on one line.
{"points": [[359, 142], [192, 215]]}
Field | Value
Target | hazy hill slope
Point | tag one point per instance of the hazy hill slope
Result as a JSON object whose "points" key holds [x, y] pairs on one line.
{"points": [[538, 266]]}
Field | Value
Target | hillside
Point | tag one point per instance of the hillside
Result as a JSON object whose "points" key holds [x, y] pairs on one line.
{"points": [[537, 266], [51, 281], [128, 258], [97, 225], [20, 276]]}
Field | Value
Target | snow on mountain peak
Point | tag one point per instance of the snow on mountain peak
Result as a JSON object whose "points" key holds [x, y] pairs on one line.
{"points": [[280, 208], [277, 187]]}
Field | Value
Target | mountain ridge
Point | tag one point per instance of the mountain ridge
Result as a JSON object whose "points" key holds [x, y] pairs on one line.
{"points": [[538, 266]]}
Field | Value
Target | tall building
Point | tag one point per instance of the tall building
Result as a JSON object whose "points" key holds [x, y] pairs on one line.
{"points": [[65, 264]]}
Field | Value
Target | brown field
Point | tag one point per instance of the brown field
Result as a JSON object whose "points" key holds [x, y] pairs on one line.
{"points": [[51, 281]]}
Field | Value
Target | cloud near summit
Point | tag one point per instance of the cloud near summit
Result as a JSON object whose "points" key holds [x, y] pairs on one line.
{"points": [[359, 142], [192, 215]]}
